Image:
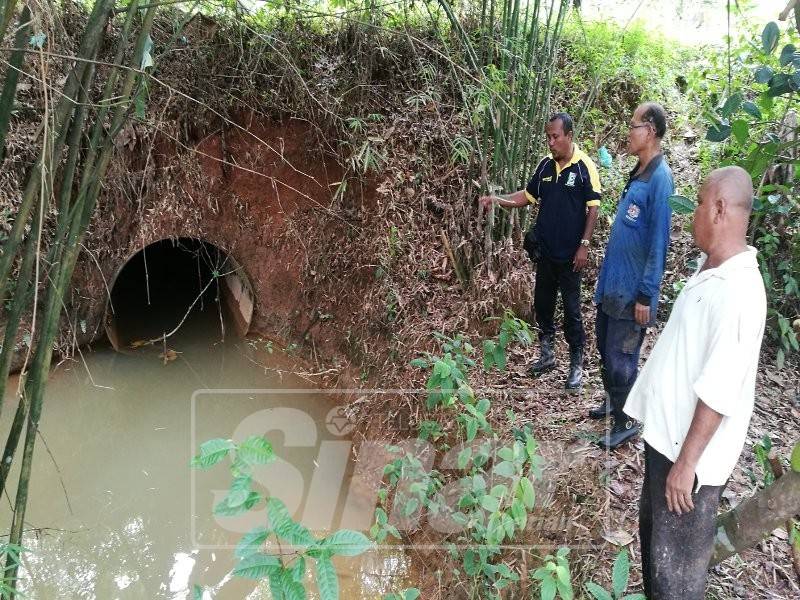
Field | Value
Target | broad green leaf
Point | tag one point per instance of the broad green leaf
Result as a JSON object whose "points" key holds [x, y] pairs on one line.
{"points": [[634, 597], [419, 363], [732, 104], [211, 452], [779, 84], [562, 573], [620, 572], [787, 54], [597, 592], [464, 456], [718, 132], [519, 513], [471, 563], [483, 405], [411, 594], [505, 469], [527, 494], [239, 491], [741, 130], [763, 74], [410, 507], [298, 569], [38, 40], [224, 509], [681, 205], [769, 37], [490, 503], [251, 541], [796, 458], [257, 566], [346, 542], [276, 586], [292, 590], [472, 429], [285, 527], [548, 588], [751, 108], [255, 450], [327, 580], [197, 592]]}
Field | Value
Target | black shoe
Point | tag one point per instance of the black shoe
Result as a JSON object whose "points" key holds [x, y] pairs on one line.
{"points": [[575, 377], [620, 433], [547, 359], [603, 410]]}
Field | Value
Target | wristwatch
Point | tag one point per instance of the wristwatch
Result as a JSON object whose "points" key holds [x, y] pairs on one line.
{"points": [[585, 243]]}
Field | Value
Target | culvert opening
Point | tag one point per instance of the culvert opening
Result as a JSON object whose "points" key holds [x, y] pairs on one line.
{"points": [[175, 286]]}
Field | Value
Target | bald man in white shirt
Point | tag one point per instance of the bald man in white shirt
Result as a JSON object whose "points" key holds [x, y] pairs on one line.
{"points": [[695, 394]]}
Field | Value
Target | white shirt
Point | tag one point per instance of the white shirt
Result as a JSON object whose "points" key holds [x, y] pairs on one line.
{"points": [[709, 350]]}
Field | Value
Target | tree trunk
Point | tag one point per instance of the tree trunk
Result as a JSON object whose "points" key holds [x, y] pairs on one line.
{"points": [[745, 525]]}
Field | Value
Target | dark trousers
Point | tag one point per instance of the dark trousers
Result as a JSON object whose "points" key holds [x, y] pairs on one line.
{"points": [[619, 342], [675, 548], [552, 276]]}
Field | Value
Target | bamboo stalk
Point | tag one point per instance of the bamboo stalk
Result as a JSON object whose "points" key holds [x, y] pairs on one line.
{"points": [[12, 76], [63, 117]]}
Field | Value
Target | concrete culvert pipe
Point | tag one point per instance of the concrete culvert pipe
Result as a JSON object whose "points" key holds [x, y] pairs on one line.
{"points": [[177, 284]]}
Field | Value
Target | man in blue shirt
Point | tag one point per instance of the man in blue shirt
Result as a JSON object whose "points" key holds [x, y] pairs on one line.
{"points": [[566, 187], [630, 277]]}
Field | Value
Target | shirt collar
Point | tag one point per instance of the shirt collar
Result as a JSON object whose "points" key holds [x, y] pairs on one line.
{"points": [[577, 154], [737, 262], [648, 170]]}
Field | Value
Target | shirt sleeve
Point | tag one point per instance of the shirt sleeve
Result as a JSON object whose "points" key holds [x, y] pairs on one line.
{"points": [[532, 189], [731, 355], [659, 218], [593, 188]]}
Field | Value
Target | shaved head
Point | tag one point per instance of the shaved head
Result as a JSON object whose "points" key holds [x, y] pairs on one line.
{"points": [[734, 185], [721, 217]]}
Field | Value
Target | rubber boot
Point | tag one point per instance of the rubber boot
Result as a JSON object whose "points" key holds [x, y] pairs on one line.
{"points": [[547, 359], [575, 377], [624, 427], [603, 410]]}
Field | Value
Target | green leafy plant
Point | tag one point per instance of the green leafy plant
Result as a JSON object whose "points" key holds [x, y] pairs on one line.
{"points": [[511, 329], [554, 577], [285, 570], [407, 594], [620, 574]]}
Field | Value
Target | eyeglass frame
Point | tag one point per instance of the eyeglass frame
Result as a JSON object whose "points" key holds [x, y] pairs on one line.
{"points": [[646, 124]]}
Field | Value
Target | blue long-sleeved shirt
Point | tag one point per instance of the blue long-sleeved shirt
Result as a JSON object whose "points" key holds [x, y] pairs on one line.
{"points": [[636, 253]]}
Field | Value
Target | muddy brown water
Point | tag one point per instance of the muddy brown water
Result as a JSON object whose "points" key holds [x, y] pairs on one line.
{"points": [[115, 510]]}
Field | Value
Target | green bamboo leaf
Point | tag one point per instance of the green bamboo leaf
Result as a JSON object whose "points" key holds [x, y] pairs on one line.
{"points": [[211, 452], [346, 542], [681, 205], [769, 37], [251, 541], [257, 566], [327, 580], [597, 592], [620, 573]]}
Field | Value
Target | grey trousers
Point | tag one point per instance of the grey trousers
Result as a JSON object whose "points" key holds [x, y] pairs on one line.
{"points": [[675, 548]]}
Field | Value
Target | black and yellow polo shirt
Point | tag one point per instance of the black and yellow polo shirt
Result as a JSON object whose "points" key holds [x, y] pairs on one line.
{"points": [[563, 196]]}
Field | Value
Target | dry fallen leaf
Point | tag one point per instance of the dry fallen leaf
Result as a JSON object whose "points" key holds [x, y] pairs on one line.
{"points": [[169, 355], [618, 538], [138, 343]]}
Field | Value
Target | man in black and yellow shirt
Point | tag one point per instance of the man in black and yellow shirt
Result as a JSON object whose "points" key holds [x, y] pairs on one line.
{"points": [[566, 187]]}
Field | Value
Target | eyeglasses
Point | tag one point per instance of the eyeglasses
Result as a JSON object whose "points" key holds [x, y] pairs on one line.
{"points": [[642, 125]]}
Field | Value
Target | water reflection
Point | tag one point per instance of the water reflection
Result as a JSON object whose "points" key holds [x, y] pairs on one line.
{"points": [[135, 521]]}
